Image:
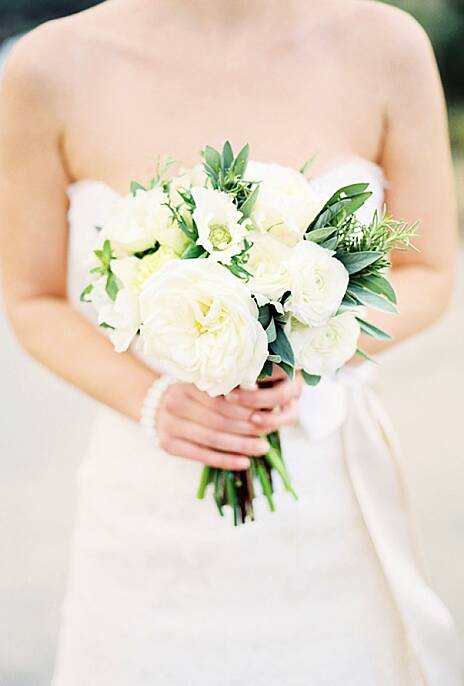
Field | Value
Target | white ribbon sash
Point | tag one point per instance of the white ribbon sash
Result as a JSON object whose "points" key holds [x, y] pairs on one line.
{"points": [[349, 404]]}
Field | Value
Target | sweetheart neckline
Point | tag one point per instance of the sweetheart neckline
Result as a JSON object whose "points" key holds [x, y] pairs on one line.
{"points": [[330, 170]]}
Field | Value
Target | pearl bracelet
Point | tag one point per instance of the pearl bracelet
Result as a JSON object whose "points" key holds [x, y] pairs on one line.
{"points": [[149, 411]]}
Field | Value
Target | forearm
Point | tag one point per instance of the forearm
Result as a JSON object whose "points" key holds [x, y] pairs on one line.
{"points": [[70, 346], [422, 293]]}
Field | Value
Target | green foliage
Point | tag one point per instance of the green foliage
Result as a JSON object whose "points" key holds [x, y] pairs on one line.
{"points": [[310, 379], [341, 205], [225, 173]]}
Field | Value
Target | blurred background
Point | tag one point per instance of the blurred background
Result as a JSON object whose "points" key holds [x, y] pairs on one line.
{"points": [[44, 424]]}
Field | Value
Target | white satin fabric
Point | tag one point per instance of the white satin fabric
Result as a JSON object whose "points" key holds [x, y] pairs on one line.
{"points": [[325, 591]]}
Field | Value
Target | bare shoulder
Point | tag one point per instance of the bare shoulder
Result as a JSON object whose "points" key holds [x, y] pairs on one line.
{"points": [[47, 60], [389, 33]]}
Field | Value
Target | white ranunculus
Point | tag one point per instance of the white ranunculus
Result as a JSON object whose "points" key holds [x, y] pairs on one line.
{"points": [[286, 204], [269, 266], [123, 313], [218, 223], [138, 221], [200, 324], [321, 350], [319, 283]]}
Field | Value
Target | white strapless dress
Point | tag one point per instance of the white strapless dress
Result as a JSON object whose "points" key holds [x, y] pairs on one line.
{"points": [[325, 592]]}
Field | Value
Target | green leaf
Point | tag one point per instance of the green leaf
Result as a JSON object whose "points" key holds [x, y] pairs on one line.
{"points": [[193, 251], [98, 270], [264, 315], [308, 164], [227, 156], [347, 191], [288, 369], [136, 186], [356, 202], [373, 331], [266, 370], [370, 299], [310, 379], [106, 253], [281, 346], [355, 261], [321, 235], [377, 284], [335, 212], [212, 159], [240, 163], [271, 332], [87, 290], [347, 304], [112, 286], [365, 356], [330, 243], [248, 206]]}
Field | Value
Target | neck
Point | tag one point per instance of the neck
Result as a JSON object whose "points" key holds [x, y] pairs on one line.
{"points": [[229, 13]]}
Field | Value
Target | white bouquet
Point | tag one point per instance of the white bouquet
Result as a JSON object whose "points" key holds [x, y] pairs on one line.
{"points": [[223, 271]]}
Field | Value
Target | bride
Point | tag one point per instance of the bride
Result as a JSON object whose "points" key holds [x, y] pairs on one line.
{"points": [[327, 590]]}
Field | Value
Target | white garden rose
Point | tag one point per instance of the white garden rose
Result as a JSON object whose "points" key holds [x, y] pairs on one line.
{"points": [[269, 266], [321, 350], [319, 283], [286, 204], [218, 223], [138, 221], [200, 324]]}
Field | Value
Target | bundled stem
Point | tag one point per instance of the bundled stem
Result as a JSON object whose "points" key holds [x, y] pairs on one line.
{"points": [[237, 488]]}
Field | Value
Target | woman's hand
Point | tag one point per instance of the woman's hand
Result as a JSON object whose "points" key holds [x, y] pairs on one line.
{"points": [[225, 431]]}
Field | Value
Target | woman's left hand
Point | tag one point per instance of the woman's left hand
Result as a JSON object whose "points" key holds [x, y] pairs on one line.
{"points": [[275, 401]]}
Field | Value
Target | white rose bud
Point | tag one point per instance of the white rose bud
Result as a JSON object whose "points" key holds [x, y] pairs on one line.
{"points": [[138, 221], [269, 266], [286, 204], [218, 223], [321, 350], [200, 324], [319, 283]]}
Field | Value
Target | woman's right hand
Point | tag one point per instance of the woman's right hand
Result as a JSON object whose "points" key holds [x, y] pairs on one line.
{"points": [[216, 432]]}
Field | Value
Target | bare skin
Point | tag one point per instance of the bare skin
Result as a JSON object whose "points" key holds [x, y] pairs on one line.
{"points": [[102, 94]]}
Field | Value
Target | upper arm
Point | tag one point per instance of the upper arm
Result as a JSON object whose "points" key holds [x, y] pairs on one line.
{"points": [[416, 152], [33, 232]]}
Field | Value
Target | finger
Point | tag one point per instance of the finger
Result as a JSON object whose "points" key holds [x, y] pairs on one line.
{"points": [[203, 415], [263, 398], [182, 448], [298, 384], [272, 421], [220, 405], [216, 440], [277, 374]]}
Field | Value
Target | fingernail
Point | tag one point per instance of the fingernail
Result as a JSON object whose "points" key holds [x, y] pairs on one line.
{"points": [[257, 418], [263, 446], [243, 463]]}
